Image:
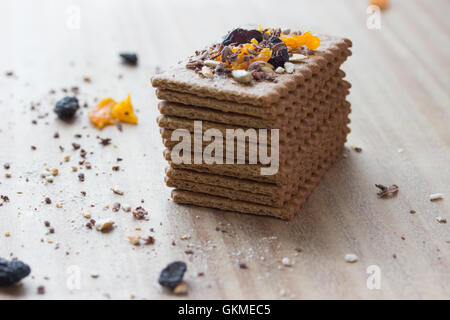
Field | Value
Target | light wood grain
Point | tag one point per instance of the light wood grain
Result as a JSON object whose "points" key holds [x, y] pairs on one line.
{"points": [[400, 99]]}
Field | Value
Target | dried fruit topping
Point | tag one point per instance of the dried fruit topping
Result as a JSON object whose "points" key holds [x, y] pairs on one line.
{"points": [[123, 111], [243, 49], [241, 36], [280, 53], [294, 41], [108, 112], [172, 275], [101, 116], [12, 272], [243, 55], [129, 58], [66, 108]]}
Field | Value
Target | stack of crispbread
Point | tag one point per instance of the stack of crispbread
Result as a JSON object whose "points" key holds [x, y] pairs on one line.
{"points": [[308, 107]]}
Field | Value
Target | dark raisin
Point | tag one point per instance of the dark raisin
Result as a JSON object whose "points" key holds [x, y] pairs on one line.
{"points": [[129, 58], [280, 54], [172, 275], [66, 107], [12, 272], [240, 36]]}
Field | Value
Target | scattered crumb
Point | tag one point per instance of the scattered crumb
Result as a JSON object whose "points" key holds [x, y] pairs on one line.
{"points": [[385, 191], [242, 265], [117, 190], [134, 240], [441, 219], [357, 149], [351, 258], [181, 289], [286, 262], [104, 225], [436, 196]]}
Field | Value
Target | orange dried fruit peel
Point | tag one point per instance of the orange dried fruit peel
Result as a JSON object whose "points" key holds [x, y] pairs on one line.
{"points": [[109, 112], [101, 115], [123, 111]]}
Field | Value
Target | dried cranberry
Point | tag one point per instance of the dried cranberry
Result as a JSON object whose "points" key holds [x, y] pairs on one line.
{"points": [[129, 58], [240, 36], [280, 54], [12, 272], [66, 107], [172, 275]]}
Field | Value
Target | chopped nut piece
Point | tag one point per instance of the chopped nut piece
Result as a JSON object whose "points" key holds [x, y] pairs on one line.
{"points": [[126, 208], [289, 67], [242, 76], [280, 70], [66, 158], [7, 234], [351, 258], [104, 225], [59, 205], [55, 171], [207, 72], [436, 196]]}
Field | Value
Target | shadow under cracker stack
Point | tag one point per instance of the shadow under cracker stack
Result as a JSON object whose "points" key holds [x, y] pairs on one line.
{"points": [[258, 79]]}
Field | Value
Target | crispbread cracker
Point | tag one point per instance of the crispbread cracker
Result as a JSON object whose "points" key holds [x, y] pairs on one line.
{"points": [[181, 79]]}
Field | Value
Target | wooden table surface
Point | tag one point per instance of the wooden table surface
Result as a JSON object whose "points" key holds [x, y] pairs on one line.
{"points": [[401, 115]]}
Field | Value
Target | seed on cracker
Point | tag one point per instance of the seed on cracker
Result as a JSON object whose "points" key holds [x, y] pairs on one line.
{"points": [[296, 57]]}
